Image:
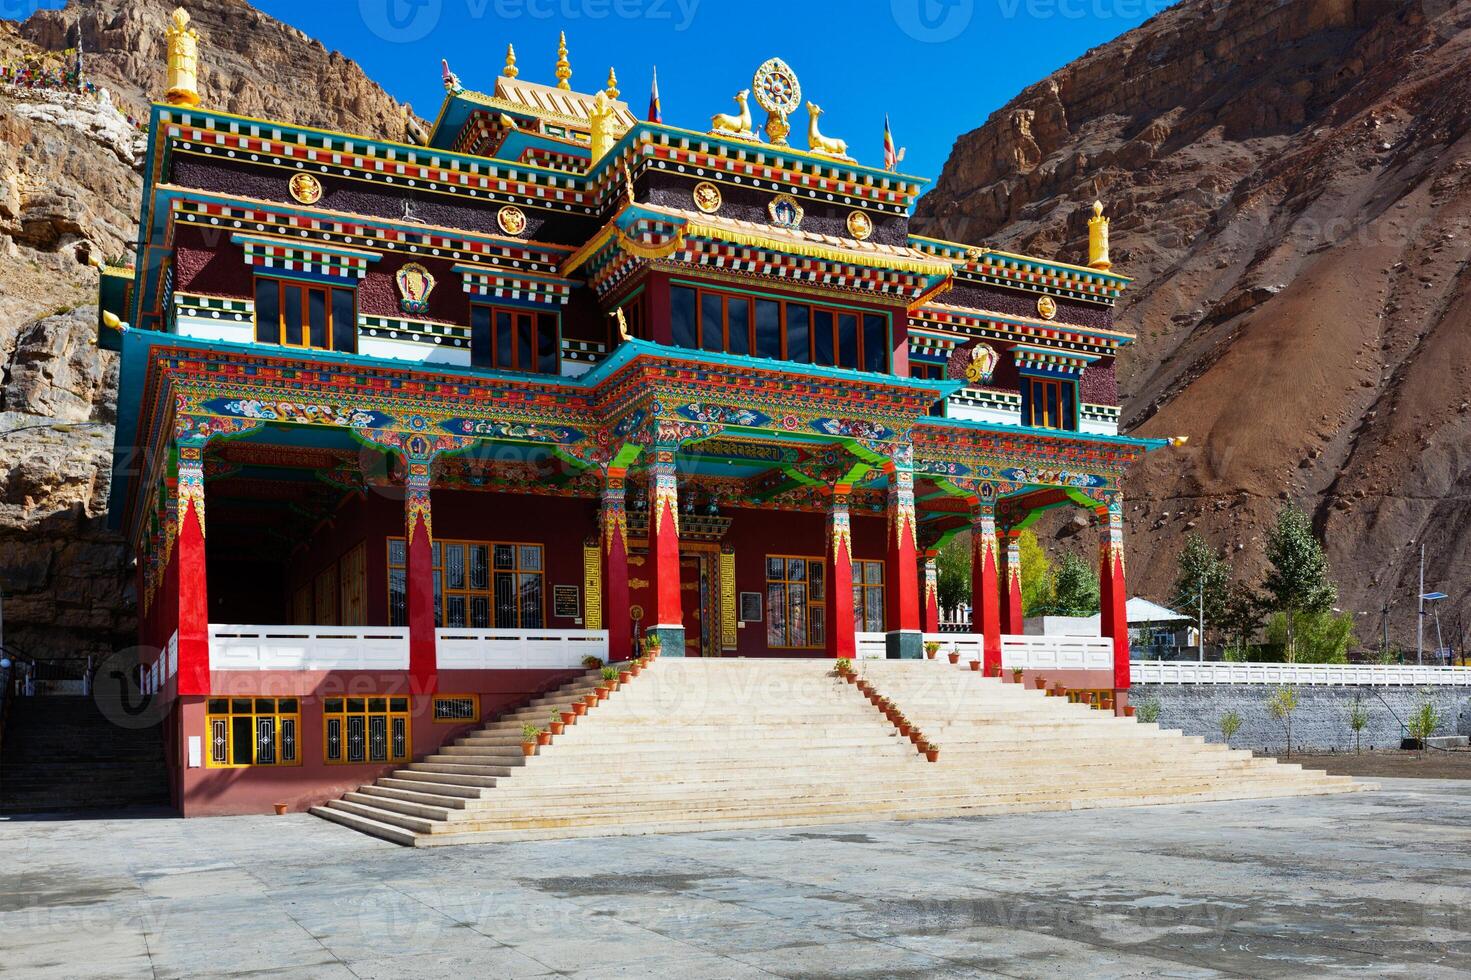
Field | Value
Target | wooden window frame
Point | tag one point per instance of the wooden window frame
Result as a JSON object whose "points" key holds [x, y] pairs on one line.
{"points": [[535, 315], [213, 716], [474, 700], [861, 590], [783, 304], [437, 568], [340, 710], [819, 604], [1030, 383], [328, 291]]}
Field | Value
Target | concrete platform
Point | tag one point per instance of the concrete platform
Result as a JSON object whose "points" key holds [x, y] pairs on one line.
{"points": [[1367, 883]]}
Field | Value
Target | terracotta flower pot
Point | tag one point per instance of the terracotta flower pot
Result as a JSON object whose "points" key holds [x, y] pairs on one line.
{"points": [[1128, 711], [557, 727], [281, 808], [624, 676], [1041, 683], [601, 695], [1016, 677], [930, 654], [932, 754], [570, 717], [545, 738], [528, 748], [590, 700], [953, 657], [904, 730], [975, 665], [578, 708]]}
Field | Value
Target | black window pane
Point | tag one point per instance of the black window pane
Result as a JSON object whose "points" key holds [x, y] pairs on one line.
{"points": [[480, 342], [682, 316], [531, 604], [524, 345], [268, 311], [798, 348], [768, 328], [398, 608], [504, 344], [738, 313], [344, 321], [875, 343], [822, 338], [291, 315], [712, 325], [317, 314], [546, 344], [242, 738], [848, 340]]}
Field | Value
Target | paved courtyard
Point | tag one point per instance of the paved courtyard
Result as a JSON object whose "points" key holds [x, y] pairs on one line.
{"points": [[1373, 883]]}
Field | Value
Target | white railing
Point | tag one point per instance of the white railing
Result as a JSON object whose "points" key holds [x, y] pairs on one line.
{"points": [[871, 646], [490, 649], [1178, 672], [968, 645], [1057, 652], [308, 647]]}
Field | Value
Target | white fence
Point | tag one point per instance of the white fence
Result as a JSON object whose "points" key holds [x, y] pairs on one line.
{"points": [[1031, 652], [1178, 672], [308, 647], [491, 649]]}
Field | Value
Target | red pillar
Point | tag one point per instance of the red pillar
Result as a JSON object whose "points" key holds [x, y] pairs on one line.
{"points": [[985, 603], [192, 588], [615, 567], [930, 599], [1112, 596], [1011, 602], [842, 639], [419, 587], [668, 612], [901, 573]]}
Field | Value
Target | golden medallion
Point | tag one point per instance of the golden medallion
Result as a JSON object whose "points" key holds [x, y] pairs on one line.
{"points": [[707, 197], [1046, 307], [786, 211], [305, 188], [860, 225], [511, 219]]}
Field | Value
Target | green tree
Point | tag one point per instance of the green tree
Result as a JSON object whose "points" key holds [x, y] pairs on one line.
{"points": [[1320, 637], [1241, 619], [1230, 725], [953, 564], [1074, 587], [1281, 706], [1036, 574], [1201, 572], [1423, 723], [1358, 720], [1298, 579]]}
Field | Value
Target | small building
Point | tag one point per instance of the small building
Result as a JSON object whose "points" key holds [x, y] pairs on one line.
{"points": [[1155, 631]]}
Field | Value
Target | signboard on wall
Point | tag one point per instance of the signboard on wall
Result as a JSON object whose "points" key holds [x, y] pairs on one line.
{"points": [[750, 607], [566, 601]]}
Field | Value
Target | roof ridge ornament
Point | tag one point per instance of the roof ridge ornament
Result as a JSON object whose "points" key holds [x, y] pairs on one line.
{"points": [[510, 71], [564, 67], [182, 42], [612, 88], [451, 80], [1098, 240], [780, 93]]}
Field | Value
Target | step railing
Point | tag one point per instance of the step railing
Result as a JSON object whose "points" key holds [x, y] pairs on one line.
{"points": [[497, 649], [307, 647], [1376, 675], [1028, 652]]}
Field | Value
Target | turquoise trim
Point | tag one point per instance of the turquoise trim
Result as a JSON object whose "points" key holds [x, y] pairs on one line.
{"points": [[1138, 441]]}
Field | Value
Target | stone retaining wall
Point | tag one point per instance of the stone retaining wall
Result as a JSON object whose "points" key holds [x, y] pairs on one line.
{"points": [[1320, 721]]}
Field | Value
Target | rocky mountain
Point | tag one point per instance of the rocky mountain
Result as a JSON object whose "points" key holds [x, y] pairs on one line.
{"points": [[1290, 184], [69, 188]]}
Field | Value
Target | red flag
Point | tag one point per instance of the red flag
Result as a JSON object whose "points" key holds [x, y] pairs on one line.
{"points": [[656, 114]]}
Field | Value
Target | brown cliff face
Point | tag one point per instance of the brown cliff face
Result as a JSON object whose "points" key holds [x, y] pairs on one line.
{"points": [[1290, 182], [69, 189]]}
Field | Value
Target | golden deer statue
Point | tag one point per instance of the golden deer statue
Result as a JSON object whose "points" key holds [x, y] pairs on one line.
{"points": [[734, 125], [818, 143]]}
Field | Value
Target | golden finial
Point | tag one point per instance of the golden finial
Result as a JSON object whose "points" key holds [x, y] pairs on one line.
{"points": [[599, 117], [183, 60], [510, 71], [1098, 240], [612, 88], [564, 68]]}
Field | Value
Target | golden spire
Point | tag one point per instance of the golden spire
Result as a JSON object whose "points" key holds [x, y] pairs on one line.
{"points": [[612, 88], [510, 71], [183, 60], [1098, 240], [600, 120], [564, 68]]}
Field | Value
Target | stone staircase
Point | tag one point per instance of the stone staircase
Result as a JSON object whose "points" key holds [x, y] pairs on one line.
{"points": [[722, 744]]}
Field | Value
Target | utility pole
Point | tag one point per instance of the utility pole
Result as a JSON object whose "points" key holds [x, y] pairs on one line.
{"points": [[1420, 619], [1200, 636]]}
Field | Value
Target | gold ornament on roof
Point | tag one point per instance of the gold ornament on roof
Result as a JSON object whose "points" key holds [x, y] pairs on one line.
{"points": [[860, 225], [1046, 307], [780, 94], [564, 67], [739, 125], [612, 88], [820, 144], [183, 64], [600, 120], [786, 211], [707, 197], [1098, 240], [305, 188], [983, 361], [510, 71], [511, 219]]}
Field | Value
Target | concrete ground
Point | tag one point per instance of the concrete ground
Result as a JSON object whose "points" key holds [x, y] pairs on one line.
{"points": [[1370, 883]]}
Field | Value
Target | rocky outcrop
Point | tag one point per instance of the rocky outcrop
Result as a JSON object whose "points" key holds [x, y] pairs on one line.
{"points": [[69, 192], [1290, 182]]}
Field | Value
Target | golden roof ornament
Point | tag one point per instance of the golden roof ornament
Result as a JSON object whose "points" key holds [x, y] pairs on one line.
{"points": [[738, 125], [600, 119], [183, 60], [564, 67], [1098, 240], [780, 94], [612, 88], [824, 145], [510, 71]]}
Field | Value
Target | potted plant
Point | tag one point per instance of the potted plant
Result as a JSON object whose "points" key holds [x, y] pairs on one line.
{"points": [[529, 732], [555, 724], [591, 700], [579, 707], [954, 655], [995, 670], [975, 665], [1016, 675], [1041, 683], [931, 647], [652, 644], [591, 663], [931, 751], [843, 667], [1061, 691], [624, 676], [281, 808], [569, 717], [610, 678], [1128, 711]]}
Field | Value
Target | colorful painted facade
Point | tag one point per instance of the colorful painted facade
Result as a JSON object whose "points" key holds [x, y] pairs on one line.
{"points": [[445, 417]]}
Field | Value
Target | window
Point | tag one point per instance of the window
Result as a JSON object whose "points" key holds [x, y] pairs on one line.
{"points": [[451, 708], [366, 729], [305, 314], [794, 602], [703, 319], [868, 596], [1047, 403], [514, 339], [253, 732], [477, 584]]}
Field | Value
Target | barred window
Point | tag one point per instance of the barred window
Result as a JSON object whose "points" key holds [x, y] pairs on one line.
{"points": [[451, 708], [794, 602], [868, 596], [366, 729], [253, 732], [477, 584]]}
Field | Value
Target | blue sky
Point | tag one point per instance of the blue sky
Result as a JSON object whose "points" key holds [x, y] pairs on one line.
{"points": [[937, 67]]}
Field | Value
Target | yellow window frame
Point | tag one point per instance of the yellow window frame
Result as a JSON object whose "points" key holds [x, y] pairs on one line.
{"points": [[354, 716], [474, 715], [818, 604], [221, 715]]}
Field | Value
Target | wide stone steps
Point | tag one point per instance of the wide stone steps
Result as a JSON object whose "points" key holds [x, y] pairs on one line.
{"points": [[694, 744]]}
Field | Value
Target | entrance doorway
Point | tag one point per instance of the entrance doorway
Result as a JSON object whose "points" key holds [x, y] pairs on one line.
{"points": [[698, 591]]}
